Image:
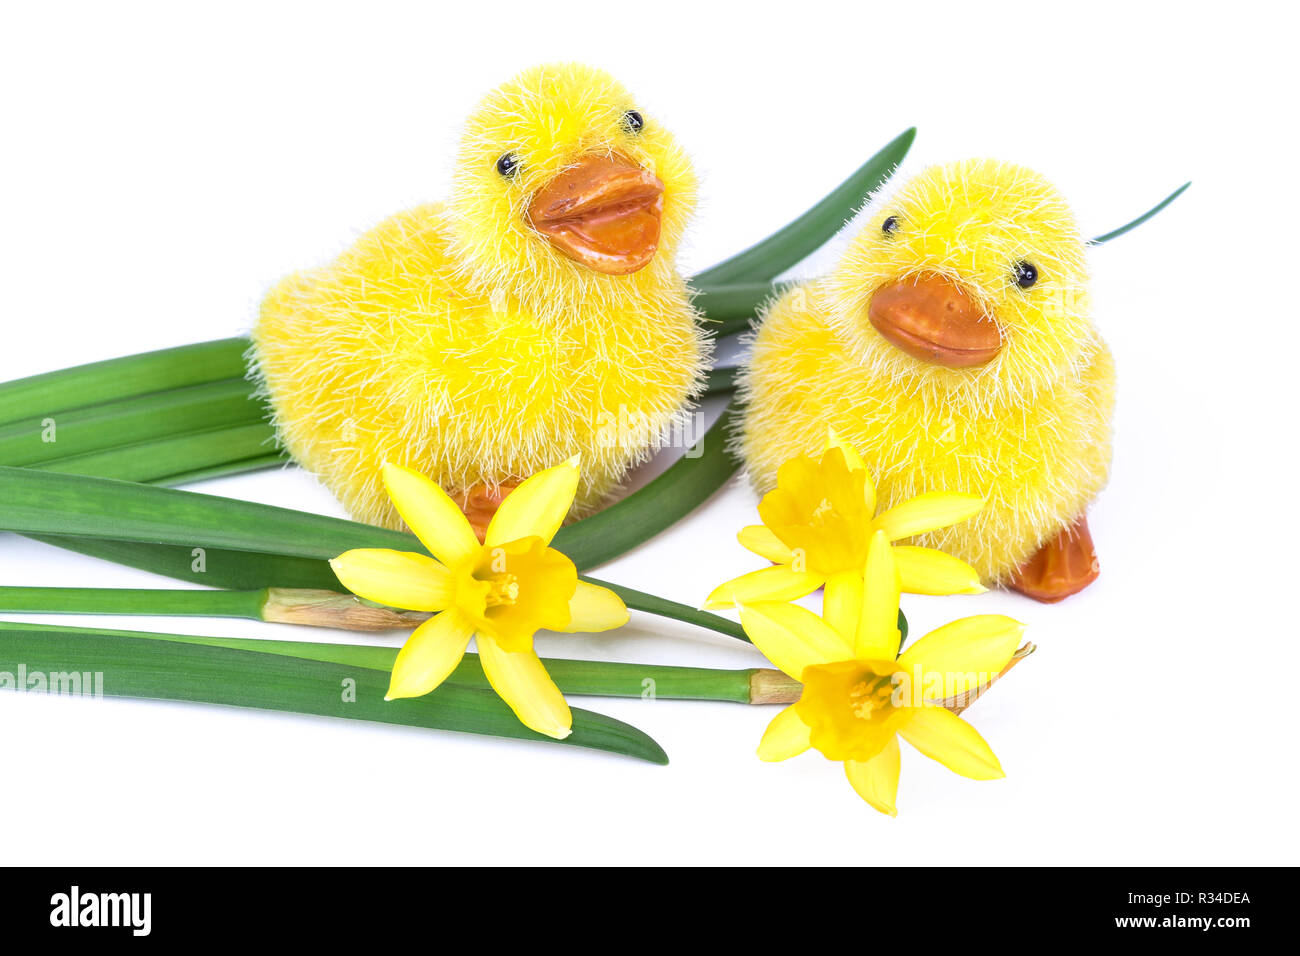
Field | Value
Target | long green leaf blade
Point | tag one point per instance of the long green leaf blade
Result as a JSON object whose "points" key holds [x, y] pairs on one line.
{"points": [[166, 670], [1115, 233], [195, 453], [575, 677], [46, 503], [224, 469], [127, 422], [796, 241], [730, 308], [211, 567], [678, 491], [85, 386]]}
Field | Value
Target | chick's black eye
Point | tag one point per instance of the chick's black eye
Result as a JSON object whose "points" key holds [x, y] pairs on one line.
{"points": [[890, 226], [633, 121], [508, 165], [1025, 274]]}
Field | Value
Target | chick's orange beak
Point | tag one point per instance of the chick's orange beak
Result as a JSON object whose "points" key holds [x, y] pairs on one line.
{"points": [[934, 319], [603, 212]]}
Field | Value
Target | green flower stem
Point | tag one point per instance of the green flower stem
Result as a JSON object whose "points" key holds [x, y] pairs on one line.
{"points": [[144, 601], [163, 668], [309, 606]]}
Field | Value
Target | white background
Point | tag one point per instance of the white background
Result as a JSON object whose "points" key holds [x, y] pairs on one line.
{"points": [[160, 167]]}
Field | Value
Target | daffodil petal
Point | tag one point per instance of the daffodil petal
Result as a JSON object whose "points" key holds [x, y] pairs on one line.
{"points": [[429, 655], [763, 541], [851, 456], [927, 512], [842, 605], [876, 780], [537, 508], [593, 608], [522, 682], [401, 579], [431, 515], [963, 655], [929, 571], [786, 736], [777, 583], [792, 637], [855, 463], [943, 736], [878, 637]]}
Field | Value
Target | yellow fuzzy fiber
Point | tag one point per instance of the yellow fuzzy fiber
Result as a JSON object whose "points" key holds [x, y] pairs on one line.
{"points": [[455, 340], [1030, 430]]}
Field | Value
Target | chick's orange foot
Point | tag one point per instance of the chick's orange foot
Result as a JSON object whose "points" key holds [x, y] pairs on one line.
{"points": [[1065, 565], [480, 502]]}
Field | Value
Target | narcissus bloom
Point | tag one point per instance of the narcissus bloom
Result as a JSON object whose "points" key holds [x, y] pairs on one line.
{"points": [[819, 521], [503, 590], [860, 695]]}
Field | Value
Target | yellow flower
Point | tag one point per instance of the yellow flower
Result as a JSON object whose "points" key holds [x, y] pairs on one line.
{"points": [[859, 695], [503, 590], [819, 521]]}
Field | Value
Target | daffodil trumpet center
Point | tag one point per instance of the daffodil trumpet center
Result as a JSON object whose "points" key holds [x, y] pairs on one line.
{"points": [[512, 590], [502, 589], [819, 511], [852, 708], [869, 697]]}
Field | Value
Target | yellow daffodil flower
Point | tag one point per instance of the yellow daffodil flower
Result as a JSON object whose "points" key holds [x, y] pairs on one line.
{"points": [[819, 521], [859, 695], [503, 590]]}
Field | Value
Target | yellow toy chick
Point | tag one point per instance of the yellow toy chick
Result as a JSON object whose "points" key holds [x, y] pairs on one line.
{"points": [[536, 315], [953, 344]]}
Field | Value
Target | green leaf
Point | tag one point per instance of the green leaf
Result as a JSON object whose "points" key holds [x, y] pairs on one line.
{"points": [[661, 503], [187, 454], [575, 677], [734, 308], [85, 386], [127, 422], [226, 469], [167, 670], [1115, 233], [796, 241]]}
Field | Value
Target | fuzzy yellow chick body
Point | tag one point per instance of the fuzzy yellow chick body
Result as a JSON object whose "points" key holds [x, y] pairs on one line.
{"points": [[536, 315], [953, 345]]}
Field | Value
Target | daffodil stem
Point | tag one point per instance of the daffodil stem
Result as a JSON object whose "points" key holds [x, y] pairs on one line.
{"points": [[159, 602], [314, 607], [308, 606]]}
